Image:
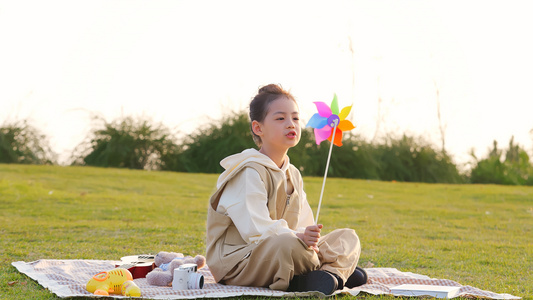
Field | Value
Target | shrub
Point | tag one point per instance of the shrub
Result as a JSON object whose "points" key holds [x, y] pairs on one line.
{"points": [[128, 143], [355, 159], [414, 159], [302, 156], [22, 143], [403, 159], [515, 169], [203, 151]]}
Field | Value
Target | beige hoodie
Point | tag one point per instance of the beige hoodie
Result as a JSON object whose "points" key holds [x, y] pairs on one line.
{"points": [[265, 205]]}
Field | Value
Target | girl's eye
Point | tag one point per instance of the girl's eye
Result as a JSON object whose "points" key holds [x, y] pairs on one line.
{"points": [[296, 119], [280, 118]]}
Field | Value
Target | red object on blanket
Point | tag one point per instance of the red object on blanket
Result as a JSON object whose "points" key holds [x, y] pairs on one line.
{"points": [[138, 265]]}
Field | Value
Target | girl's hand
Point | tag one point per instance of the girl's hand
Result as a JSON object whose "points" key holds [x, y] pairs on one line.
{"points": [[311, 236]]}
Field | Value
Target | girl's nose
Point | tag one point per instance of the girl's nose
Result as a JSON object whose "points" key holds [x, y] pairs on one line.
{"points": [[290, 124]]}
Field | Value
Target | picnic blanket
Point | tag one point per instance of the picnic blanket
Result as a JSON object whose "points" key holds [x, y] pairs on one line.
{"points": [[67, 278]]}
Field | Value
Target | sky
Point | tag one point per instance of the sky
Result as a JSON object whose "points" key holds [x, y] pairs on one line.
{"points": [[187, 63]]}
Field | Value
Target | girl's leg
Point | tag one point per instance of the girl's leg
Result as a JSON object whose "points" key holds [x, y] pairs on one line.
{"points": [[339, 252], [273, 263]]}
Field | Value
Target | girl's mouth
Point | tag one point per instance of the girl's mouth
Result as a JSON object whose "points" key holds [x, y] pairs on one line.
{"points": [[291, 134]]}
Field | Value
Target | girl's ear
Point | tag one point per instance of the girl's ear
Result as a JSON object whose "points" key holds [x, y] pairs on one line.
{"points": [[257, 128]]}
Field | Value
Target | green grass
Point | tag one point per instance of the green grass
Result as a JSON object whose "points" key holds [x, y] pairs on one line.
{"points": [[478, 235]]}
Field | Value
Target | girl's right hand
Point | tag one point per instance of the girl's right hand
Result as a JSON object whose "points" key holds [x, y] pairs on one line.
{"points": [[311, 236]]}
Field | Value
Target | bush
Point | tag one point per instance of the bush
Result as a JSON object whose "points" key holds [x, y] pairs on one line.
{"points": [[403, 159], [128, 143], [515, 169], [413, 159], [355, 159], [302, 156], [203, 151], [22, 143]]}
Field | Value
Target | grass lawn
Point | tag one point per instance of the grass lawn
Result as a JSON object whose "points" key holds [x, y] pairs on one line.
{"points": [[478, 235]]}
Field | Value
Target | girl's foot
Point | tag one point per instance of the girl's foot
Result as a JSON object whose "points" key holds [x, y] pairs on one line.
{"points": [[358, 278], [318, 280]]}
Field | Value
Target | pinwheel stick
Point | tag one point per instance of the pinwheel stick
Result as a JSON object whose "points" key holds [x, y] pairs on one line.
{"points": [[336, 122]]}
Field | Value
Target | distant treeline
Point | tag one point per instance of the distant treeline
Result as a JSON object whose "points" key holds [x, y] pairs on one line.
{"points": [[138, 143]]}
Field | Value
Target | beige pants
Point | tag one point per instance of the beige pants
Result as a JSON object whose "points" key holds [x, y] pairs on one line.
{"points": [[278, 258]]}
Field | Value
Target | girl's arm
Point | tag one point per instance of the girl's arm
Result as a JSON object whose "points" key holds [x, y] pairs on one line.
{"points": [[244, 200]]}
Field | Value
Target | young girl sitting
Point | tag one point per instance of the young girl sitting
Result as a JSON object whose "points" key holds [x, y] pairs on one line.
{"points": [[260, 227]]}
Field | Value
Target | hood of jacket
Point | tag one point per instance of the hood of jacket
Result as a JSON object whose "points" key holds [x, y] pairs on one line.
{"points": [[234, 163]]}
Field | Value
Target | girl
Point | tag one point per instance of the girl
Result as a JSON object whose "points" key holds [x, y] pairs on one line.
{"points": [[260, 227]]}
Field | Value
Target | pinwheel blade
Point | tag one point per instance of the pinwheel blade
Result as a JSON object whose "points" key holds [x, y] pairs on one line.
{"points": [[335, 105], [322, 134], [344, 112], [323, 109], [317, 121], [345, 125], [338, 138]]}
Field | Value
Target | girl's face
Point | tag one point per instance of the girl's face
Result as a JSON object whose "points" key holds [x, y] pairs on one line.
{"points": [[281, 127]]}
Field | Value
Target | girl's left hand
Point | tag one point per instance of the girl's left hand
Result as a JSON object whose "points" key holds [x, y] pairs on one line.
{"points": [[311, 236]]}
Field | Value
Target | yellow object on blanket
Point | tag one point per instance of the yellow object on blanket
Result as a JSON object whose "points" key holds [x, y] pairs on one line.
{"points": [[117, 281]]}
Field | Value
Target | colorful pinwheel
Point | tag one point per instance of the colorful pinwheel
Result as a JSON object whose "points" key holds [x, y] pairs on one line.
{"points": [[325, 120], [329, 124]]}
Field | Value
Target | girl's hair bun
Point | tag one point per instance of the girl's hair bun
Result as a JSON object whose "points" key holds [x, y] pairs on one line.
{"points": [[271, 89]]}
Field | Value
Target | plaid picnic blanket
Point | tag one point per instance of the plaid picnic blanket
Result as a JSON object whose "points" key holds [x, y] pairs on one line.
{"points": [[67, 278]]}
